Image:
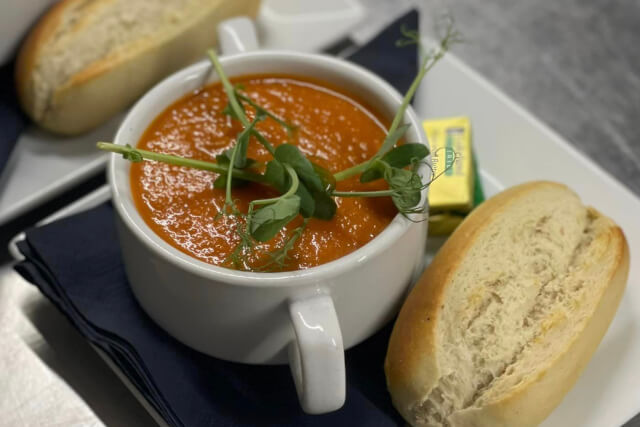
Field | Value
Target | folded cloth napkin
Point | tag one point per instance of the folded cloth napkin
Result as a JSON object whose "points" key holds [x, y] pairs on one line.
{"points": [[12, 120], [76, 263]]}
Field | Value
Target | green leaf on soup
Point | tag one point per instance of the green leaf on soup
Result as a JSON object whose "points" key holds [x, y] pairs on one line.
{"points": [[307, 202], [243, 144], [269, 220], [407, 187], [325, 206], [276, 175], [221, 182], [326, 177], [133, 155], [374, 171], [222, 159], [404, 155], [399, 157], [290, 154]]}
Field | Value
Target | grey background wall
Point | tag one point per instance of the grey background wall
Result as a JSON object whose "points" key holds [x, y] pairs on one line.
{"points": [[573, 63]]}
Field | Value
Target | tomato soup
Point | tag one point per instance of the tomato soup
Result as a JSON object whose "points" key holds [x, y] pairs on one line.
{"points": [[334, 130]]}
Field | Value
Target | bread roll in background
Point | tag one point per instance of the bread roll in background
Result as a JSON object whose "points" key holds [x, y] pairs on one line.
{"points": [[88, 59], [509, 312]]}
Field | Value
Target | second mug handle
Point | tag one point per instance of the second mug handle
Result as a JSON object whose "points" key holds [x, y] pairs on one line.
{"points": [[237, 35], [316, 356]]}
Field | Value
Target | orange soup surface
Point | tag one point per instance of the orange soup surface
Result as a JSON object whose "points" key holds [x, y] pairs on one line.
{"points": [[333, 130]]}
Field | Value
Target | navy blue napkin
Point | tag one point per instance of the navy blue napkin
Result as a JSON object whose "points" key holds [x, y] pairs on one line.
{"points": [[80, 271], [12, 120]]}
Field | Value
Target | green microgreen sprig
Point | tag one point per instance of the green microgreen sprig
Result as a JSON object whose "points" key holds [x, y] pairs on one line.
{"points": [[397, 129], [260, 110], [137, 155], [280, 257], [278, 211], [305, 188]]}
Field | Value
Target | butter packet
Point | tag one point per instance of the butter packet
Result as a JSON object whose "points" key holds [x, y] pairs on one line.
{"points": [[456, 189]]}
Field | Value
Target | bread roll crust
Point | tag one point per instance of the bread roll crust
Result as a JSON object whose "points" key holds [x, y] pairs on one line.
{"points": [[30, 49], [411, 364], [105, 86]]}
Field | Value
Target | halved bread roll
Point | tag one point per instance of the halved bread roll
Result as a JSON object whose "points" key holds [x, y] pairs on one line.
{"points": [[88, 59], [509, 312]]}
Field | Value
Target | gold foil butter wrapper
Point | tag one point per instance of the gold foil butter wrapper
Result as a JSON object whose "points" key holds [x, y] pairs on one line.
{"points": [[456, 189]]}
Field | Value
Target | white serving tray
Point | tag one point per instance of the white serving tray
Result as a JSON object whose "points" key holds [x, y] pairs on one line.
{"points": [[513, 147], [42, 166]]}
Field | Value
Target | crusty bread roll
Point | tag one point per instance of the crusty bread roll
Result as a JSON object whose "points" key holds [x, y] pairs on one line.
{"points": [[88, 59], [509, 312]]}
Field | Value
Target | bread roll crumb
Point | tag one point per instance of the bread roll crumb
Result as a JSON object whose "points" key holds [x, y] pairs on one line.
{"points": [[509, 312]]}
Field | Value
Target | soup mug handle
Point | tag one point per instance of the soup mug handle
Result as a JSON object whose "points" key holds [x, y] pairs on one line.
{"points": [[237, 35], [316, 356]]}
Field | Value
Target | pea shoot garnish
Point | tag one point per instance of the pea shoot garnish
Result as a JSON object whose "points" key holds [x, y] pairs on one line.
{"points": [[305, 188]]}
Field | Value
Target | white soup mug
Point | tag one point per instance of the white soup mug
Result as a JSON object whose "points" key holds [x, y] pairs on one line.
{"points": [[307, 317]]}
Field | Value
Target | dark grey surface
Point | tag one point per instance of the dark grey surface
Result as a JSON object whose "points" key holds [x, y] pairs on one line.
{"points": [[575, 64]]}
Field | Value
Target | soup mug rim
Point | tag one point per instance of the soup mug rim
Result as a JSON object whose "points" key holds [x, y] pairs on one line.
{"points": [[136, 224]]}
